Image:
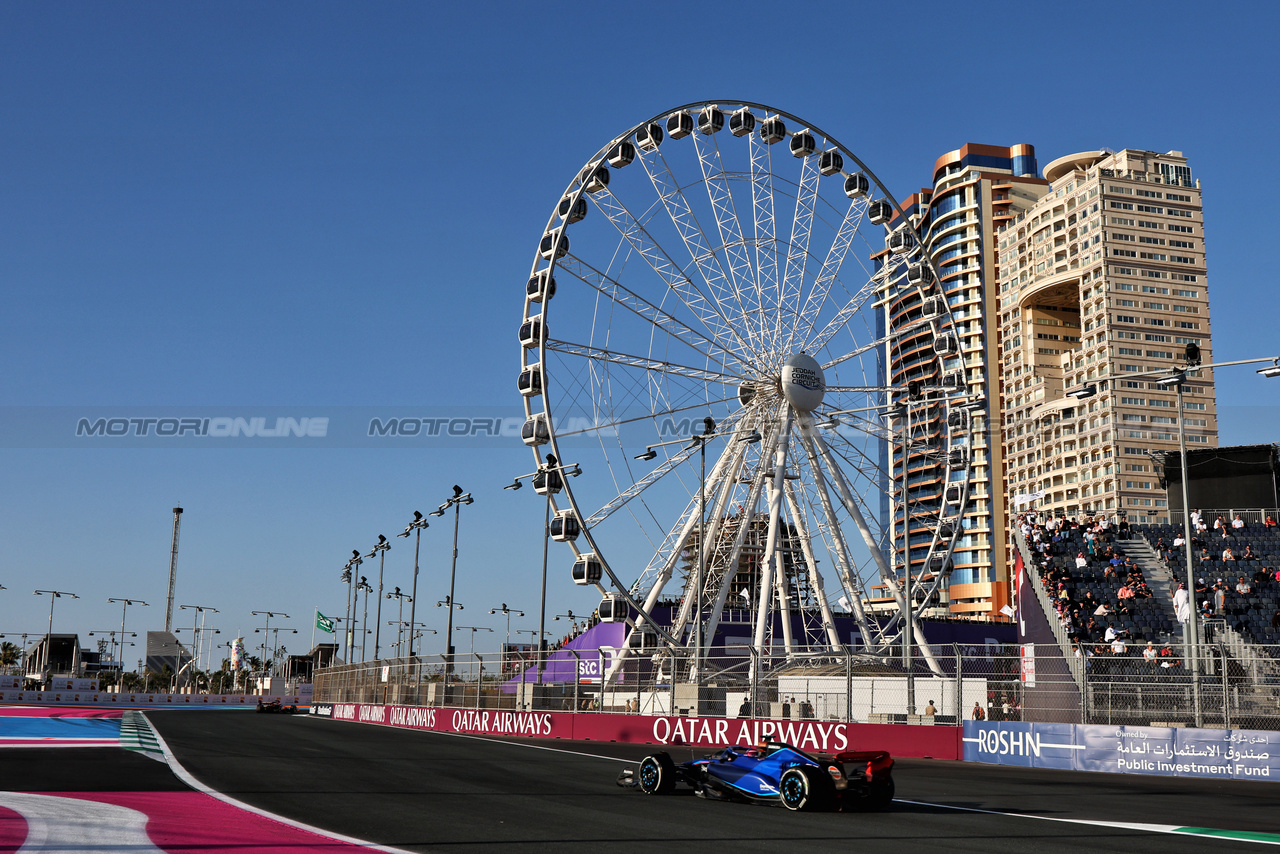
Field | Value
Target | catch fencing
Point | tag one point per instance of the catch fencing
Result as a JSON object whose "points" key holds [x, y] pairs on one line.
{"points": [[1229, 687]]}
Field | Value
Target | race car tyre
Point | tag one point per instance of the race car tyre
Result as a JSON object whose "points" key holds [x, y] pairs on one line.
{"points": [[880, 796], [657, 774], [806, 788]]}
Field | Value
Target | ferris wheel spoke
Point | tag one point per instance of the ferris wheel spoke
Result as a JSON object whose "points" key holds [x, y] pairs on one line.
{"points": [[611, 427], [621, 500], [704, 307], [695, 240], [599, 355], [797, 247], [841, 320], [765, 223], [613, 290], [817, 296], [856, 352], [715, 177]]}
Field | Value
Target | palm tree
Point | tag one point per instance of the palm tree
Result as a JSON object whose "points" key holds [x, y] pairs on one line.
{"points": [[10, 655], [131, 682]]}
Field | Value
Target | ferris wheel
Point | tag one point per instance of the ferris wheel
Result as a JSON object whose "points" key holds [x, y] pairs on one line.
{"points": [[734, 337]]}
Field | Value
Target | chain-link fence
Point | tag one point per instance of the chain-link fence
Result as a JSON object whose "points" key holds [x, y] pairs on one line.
{"points": [[1234, 686]]}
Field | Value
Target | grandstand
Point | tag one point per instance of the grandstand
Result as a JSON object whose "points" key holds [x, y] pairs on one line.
{"points": [[1250, 614]]}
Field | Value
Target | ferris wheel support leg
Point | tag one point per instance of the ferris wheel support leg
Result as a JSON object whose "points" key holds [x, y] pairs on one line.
{"points": [[873, 635], [886, 575], [780, 590], [771, 544], [815, 577], [744, 527]]}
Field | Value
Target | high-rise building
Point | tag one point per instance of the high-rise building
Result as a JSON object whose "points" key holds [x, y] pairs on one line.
{"points": [[1102, 277], [976, 191], [1057, 284]]}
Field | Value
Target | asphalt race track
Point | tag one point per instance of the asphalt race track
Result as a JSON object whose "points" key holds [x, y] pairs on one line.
{"points": [[420, 791]]}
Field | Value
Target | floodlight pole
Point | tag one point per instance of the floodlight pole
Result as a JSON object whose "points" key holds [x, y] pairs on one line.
{"points": [[456, 501], [381, 551], [416, 526], [124, 610]]}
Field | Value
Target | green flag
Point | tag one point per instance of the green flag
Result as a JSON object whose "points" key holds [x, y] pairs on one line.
{"points": [[323, 623]]}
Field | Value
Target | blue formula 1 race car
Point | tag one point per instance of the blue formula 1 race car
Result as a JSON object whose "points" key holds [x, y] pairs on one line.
{"points": [[774, 773]]}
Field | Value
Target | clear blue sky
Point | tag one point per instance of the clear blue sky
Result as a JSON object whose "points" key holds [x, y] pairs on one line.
{"points": [[330, 205]]}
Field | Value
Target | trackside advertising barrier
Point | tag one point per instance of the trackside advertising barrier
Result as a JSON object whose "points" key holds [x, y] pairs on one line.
{"points": [[811, 735], [140, 700], [1222, 754]]}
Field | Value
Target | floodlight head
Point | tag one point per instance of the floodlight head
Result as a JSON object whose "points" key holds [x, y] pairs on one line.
{"points": [[752, 438], [708, 426], [1192, 354], [1083, 392], [467, 499], [457, 490], [551, 460], [437, 512], [649, 454], [575, 471], [417, 515], [515, 484], [1174, 380], [1271, 372], [355, 554]]}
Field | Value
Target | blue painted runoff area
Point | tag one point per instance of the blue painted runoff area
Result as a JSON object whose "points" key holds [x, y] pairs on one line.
{"points": [[42, 727]]}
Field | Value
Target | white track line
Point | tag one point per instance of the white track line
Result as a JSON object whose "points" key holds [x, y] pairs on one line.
{"points": [[1171, 829]]}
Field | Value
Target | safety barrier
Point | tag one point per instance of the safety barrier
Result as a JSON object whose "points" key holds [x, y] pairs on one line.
{"points": [[922, 742], [1222, 754]]}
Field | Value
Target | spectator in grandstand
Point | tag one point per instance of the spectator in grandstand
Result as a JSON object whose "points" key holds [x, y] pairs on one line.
{"points": [[1227, 554], [1220, 598], [1179, 541], [1149, 654], [1196, 518], [1081, 560], [1110, 634], [977, 713], [1243, 586], [1102, 610], [930, 709], [1219, 524], [1125, 591], [1202, 590], [1248, 552], [1118, 646], [1182, 603], [1270, 523], [1238, 523]]}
